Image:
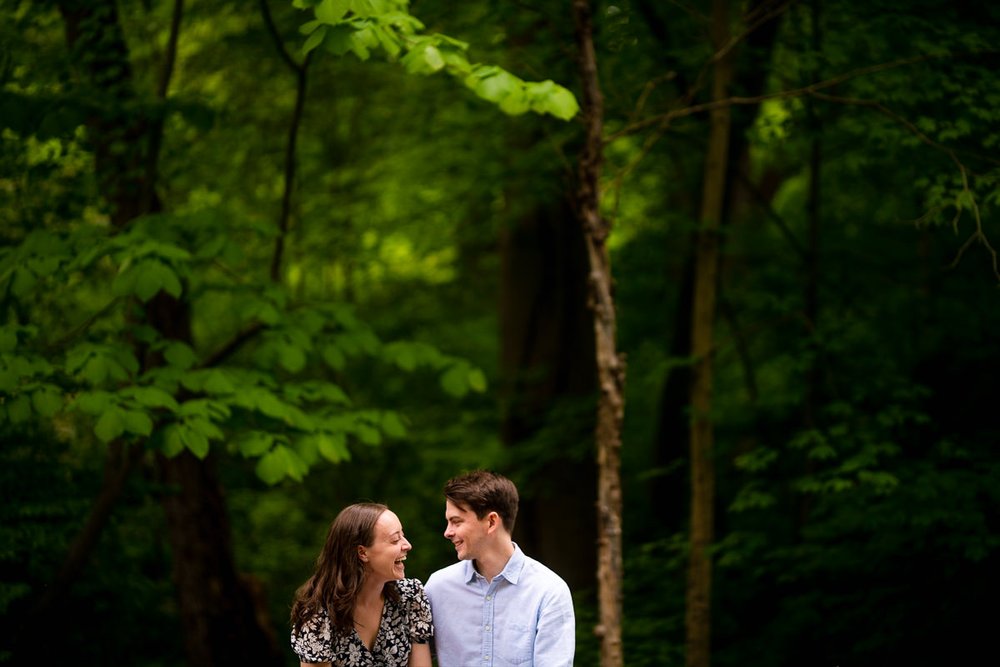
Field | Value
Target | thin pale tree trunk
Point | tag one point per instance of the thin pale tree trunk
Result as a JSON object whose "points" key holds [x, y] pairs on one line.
{"points": [[698, 611], [610, 366]]}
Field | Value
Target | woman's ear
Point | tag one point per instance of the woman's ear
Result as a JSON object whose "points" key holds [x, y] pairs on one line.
{"points": [[362, 554]]}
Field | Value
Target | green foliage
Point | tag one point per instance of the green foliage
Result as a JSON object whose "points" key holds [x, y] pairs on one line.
{"points": [[371, 369], [361, 26]]}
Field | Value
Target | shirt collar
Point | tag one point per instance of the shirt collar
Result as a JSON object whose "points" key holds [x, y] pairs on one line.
{"points": [[511, 571]]}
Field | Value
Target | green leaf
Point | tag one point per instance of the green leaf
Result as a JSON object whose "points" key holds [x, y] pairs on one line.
{"points": [[314, 40], [562, 104], [180, 355], [137, 422], [272, 406], [291, 358], [387, 38], [152, 397], [154, 276], [93, 402], [496, 87], [19, 410], [333, 357], [173, 443], [333, 446], [217, 382], [477, 380], [47, 400], [195, 441], [331, 11], [23, 283], [8, 339], [204, 427], [8, 379], [272, 467], [368, 435], [294, 465], [338, 39], [111, 424], [433, 58], [95, 370], [392, 425], [309, 26], [455, 380], [254, 443]]}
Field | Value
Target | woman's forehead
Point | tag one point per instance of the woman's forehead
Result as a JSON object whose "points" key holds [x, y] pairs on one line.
{"points": [[388, 523]]}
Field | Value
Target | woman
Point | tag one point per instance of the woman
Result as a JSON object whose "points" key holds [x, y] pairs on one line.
{"points": [[358, 609]]}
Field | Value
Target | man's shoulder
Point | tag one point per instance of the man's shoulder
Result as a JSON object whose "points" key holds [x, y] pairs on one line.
{"points": [[541, 574], [453, 572]]}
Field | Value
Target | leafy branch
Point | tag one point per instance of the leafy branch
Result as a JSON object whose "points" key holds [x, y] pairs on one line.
{"points": [[363, 26]]}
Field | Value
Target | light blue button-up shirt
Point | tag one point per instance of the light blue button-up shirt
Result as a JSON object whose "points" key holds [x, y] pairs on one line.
{"points": [[524, 617]]}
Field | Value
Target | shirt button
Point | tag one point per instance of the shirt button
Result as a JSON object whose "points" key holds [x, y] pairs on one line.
{"points": [[487, 628], [489, 597]]}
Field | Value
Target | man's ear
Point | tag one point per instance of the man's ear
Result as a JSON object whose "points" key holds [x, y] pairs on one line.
{"points": [[493, 521]]}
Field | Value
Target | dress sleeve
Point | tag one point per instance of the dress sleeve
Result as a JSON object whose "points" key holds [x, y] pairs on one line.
{"points": [[312, 642], [421, 627]]}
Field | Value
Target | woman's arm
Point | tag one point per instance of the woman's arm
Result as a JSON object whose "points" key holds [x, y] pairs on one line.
{"points": [[420, 655]]}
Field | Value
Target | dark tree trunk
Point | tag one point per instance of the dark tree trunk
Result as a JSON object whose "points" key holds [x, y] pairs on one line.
{"points": [[218, 612], [698, 616], [547, 361]]}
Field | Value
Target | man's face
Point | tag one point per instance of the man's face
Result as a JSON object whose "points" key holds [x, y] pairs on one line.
{"points": [[464, 530]]}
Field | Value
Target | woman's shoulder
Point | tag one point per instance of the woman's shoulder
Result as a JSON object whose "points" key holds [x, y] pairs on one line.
{"points": [[409, 588]]}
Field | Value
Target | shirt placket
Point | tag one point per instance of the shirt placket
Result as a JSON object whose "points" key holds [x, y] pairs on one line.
{"points": [[489, 606]]}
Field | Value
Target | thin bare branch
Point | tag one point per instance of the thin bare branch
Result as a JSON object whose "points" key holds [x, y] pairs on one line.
{"points": [[272, 29], [170, 59], [663, 120], [978, 234], [232, 345]]}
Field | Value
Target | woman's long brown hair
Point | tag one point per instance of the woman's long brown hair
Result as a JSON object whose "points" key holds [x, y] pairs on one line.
{"points": [[335, 584]]}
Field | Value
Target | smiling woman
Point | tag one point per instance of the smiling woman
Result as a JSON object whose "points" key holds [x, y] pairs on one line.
{"points": [[358, 609]]}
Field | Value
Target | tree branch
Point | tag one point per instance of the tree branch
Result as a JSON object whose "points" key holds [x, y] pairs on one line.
{"points": [[978, 234], [150, 201], [301, 79], [662, 121], [265, 11]]}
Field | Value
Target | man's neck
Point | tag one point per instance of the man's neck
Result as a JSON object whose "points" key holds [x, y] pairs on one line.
{"points": [[494, 560]]}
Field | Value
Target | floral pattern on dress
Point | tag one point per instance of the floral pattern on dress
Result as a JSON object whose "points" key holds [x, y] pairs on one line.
{"points": [[404, 623]]}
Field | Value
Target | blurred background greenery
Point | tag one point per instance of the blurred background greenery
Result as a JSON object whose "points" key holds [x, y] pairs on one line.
{"points": [[182, 415]]}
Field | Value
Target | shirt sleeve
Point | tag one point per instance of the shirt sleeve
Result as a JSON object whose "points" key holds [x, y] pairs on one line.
{"points": [[555, 642], [312, 642], [421, 626]]}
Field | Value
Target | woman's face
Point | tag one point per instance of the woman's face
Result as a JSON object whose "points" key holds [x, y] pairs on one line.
{"points": [[384, 557]]}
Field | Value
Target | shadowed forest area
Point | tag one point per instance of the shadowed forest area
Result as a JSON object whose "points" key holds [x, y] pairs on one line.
{"points": [[714, 283]]}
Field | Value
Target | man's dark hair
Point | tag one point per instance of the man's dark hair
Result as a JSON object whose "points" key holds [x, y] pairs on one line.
{"points": [[482, 492]]}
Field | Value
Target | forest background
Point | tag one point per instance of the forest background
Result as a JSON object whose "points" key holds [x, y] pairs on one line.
{"points": [[253, 269]]}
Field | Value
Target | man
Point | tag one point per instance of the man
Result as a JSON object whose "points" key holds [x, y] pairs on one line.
{"points": [[496, 607]]}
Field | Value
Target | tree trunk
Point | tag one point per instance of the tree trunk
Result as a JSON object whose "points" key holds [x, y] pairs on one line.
{"points": [[610, 366], [548, 366], [217, 609], [699, 583]]}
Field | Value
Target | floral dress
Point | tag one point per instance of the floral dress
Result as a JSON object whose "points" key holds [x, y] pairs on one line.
{"points": [[404, 622]]}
